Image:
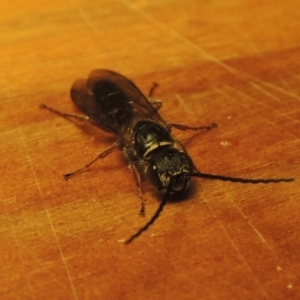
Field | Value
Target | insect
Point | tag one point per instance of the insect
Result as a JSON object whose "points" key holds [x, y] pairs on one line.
{"points": [[114, 104]]}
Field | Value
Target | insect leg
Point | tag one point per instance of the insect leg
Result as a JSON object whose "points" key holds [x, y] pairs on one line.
{"points": [[156, 103], [101, 155], [185, 127], [137, 178], [153, 88], [65, 115]]}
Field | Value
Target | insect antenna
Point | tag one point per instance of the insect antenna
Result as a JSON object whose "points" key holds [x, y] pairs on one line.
{"points": [[154, 217], [241, 180]]}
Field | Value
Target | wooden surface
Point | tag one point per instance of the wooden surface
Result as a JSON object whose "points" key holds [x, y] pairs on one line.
{"points": [[236, 63]]}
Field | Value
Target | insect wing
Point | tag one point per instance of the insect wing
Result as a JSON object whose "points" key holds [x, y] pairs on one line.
{"points": [[112, 101], [98, 103], [137, 99]]}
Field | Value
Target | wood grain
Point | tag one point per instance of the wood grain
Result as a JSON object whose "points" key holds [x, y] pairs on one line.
{"points": [[232, 62]]}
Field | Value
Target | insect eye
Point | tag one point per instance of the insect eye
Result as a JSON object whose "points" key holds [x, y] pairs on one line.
{"points": [[153, 176]]}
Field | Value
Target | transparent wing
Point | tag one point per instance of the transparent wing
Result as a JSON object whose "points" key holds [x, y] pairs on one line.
{"points": [[112, 101]]}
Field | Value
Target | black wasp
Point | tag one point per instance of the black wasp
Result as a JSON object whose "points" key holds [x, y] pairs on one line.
{"points": [[113, 103]]}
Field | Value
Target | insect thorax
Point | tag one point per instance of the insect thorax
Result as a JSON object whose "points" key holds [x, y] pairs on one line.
{"points": [[162, 158], [148, 136]]}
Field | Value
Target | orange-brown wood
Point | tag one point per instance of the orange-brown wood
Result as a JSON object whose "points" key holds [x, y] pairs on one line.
{"points": [[236, 63]]}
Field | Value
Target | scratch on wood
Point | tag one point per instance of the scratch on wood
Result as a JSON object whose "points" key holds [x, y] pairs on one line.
{"points": [[262, 104], [48, 214], [246, 38], [272, 96], [288, 87], [236, 248], [221, 91], [273, 86], [191, 45], [185, 105], [257, 232], [14, 235], [85, 17], [295, 75], [261, 89]]}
